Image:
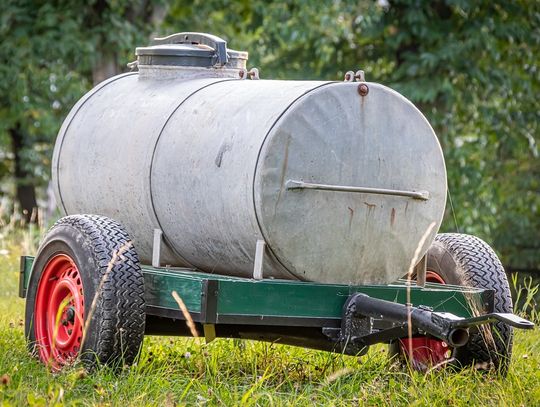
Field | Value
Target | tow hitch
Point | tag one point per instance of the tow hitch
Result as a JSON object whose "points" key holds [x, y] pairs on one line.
{"points": [[361, 313]]}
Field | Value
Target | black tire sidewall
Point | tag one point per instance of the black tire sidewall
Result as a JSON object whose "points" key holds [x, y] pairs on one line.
{"points": [[441, 261], [453, 256], [452, 263]]}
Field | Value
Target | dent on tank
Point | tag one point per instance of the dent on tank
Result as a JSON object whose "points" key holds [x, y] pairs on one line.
{"points": [[337, 181]]}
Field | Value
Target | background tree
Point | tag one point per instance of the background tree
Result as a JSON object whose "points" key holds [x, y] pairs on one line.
{"points": [[51, 53], [36, 90]]}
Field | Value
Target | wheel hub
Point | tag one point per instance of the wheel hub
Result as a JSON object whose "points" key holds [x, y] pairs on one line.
{"points": [[423, 351], [59, 311]]}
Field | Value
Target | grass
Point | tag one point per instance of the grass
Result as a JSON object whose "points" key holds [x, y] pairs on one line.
{"points": [[183, 371]]}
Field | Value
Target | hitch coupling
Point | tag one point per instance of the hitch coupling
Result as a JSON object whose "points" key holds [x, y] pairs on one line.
{"points": [[423, 320], [360, 311]]}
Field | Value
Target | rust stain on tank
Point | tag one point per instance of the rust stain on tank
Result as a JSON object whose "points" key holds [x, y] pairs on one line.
{"points": [[370, 206], [351, 214], [369, 214], [392, 216]]}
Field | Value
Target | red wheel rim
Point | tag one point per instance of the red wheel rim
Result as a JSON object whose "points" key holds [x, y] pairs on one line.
{"points": [[426, 352], [59, 312]]}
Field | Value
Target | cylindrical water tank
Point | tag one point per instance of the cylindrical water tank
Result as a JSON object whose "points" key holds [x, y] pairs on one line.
{"points": [[341, 183]]}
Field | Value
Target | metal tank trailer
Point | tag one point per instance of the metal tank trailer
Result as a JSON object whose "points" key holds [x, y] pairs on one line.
{"points": [[272, 210]]}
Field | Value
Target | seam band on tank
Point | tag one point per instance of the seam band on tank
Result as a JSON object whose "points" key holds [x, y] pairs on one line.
{"points": [[164, 237], [259, 222]]}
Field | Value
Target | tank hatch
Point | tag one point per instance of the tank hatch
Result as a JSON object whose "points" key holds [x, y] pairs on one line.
{"points": [[189, 49]]}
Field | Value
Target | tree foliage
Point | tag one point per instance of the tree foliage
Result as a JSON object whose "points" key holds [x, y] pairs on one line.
{"points": [[51, 53], [471, 67], [37, 87]]}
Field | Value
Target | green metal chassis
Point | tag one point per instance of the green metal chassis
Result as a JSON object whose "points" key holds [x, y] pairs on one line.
{"points": [[286, 311]]}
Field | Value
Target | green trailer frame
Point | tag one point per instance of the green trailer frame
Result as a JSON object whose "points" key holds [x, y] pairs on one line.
{"points": [[298, 313]]}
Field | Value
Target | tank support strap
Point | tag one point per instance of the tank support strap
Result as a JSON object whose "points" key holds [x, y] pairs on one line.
{"points": [[259, 257], [156, 249]]}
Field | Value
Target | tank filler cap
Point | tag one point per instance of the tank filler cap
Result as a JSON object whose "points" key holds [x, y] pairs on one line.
{"points": [[189, 49]]}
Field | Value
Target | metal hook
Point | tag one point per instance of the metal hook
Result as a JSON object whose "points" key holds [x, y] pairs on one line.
{"points": [[349, 76], [254, 74], [359, 76]]}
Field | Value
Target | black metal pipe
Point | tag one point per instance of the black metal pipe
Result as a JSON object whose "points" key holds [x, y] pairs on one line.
{"points": [[308, 337], [421, 319]]}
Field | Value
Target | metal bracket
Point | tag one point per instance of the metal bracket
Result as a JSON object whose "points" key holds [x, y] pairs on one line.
{"points": [[359, 76], [420, 270], [350, 76], [156, 249], [253, 74], [353, 327], [22, 269], [209, 332], [259, 257], [133, 65]]}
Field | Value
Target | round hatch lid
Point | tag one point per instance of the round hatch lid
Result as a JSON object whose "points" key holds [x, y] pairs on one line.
{"points": [[191, 50]]}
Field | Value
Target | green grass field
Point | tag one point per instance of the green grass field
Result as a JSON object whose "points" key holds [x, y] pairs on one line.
{"points": [[179, 371]]}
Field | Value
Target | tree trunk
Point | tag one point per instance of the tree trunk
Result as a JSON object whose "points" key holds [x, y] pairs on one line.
{"points": [[105, 67], [25, 188]]}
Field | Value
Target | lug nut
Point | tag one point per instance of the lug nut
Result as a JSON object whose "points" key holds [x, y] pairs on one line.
{"points": [[70, 315]]}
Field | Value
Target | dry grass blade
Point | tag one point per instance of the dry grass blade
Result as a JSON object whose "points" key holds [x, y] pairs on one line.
{"points": [[117, 255], [57, 319], [187, 315], [338, 374], [414, 260]]}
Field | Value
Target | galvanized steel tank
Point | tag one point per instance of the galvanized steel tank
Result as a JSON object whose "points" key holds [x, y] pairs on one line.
{"points": [[341, 186]]}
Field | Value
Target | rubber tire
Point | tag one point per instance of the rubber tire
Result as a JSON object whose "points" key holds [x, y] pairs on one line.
{"points": [[116, 329], [466, 260]]}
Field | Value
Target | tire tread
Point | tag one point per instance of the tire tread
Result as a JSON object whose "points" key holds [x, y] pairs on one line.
{"points": [[119, 314], [483, 269]]}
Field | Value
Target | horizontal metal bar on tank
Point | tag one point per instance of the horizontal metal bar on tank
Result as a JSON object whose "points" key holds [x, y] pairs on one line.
{"points": [[293, 184]]}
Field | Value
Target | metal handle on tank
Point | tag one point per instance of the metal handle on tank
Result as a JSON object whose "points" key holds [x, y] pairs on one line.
{"points": [[214, 42], [293, 184]]}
